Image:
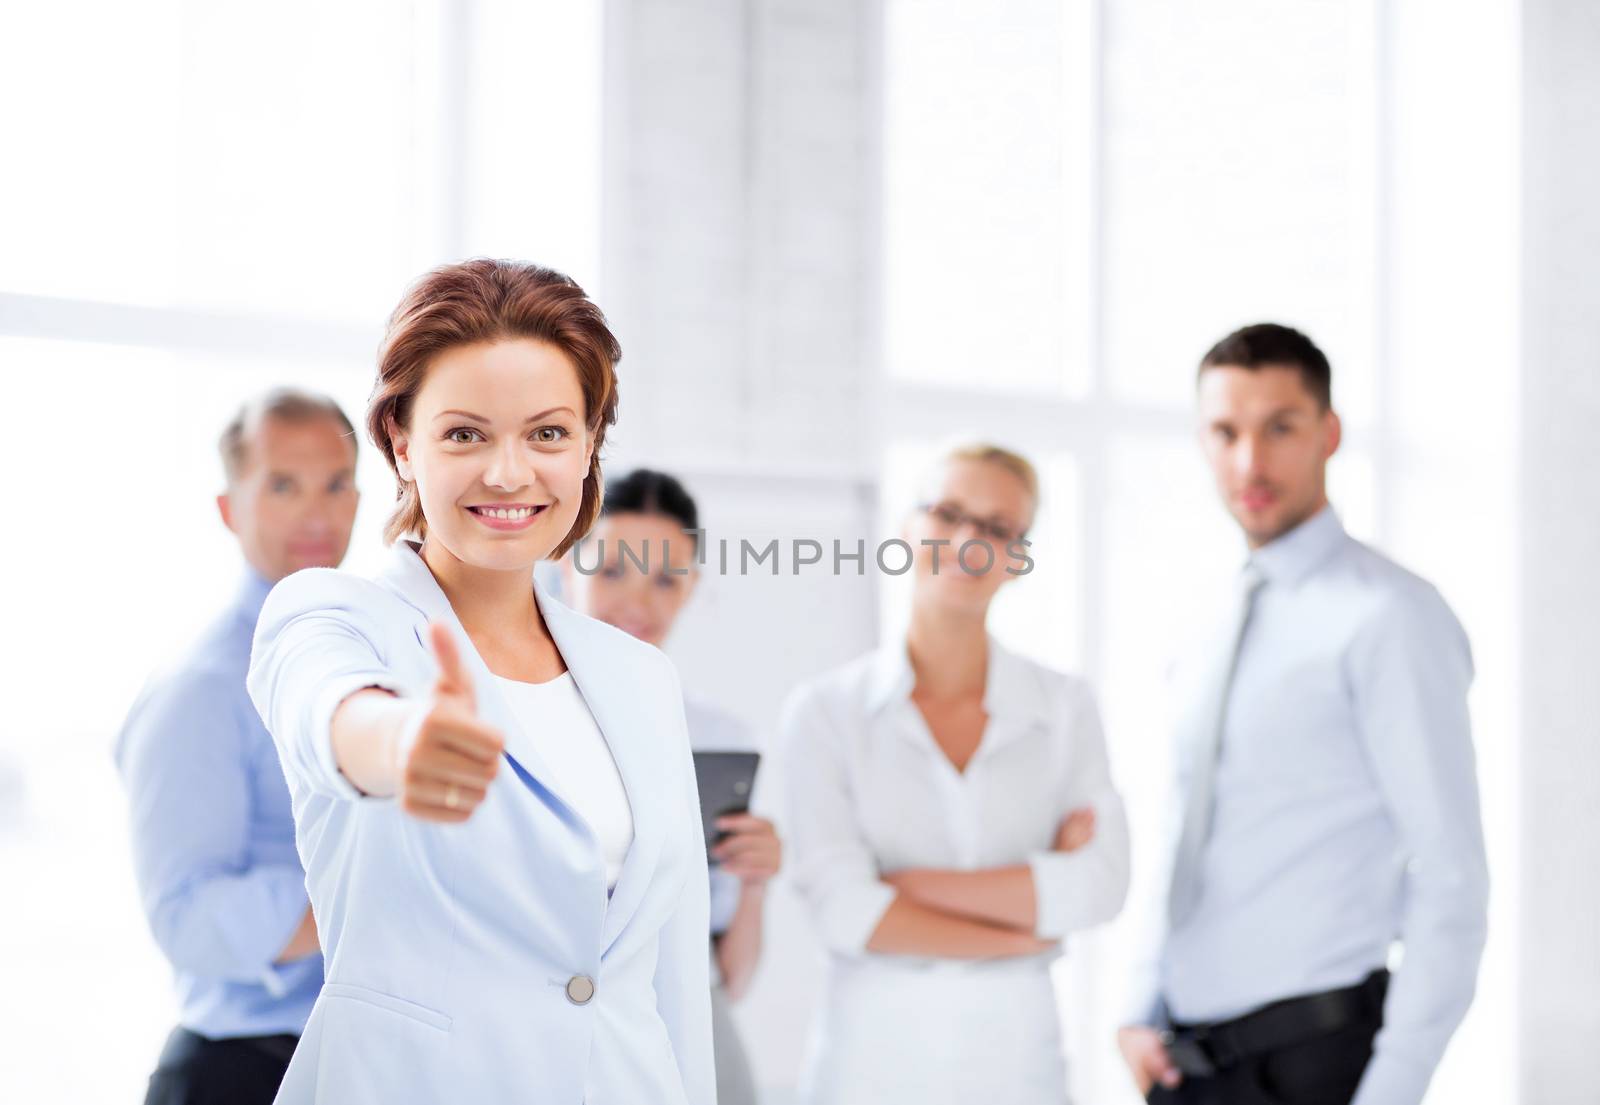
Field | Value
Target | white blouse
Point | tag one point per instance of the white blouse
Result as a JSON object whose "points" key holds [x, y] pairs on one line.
{"points": [[586, 774], [868, 792]]}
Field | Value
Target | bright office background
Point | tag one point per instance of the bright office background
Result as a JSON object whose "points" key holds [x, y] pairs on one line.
{"points": [[831, 234]]}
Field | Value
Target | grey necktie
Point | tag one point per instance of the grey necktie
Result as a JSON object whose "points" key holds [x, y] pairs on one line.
{"points": [[1211, 716]]}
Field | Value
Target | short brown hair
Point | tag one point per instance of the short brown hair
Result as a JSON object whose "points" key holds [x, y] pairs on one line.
{"points": [[283, 403], [485, 300], [1272, 345]]}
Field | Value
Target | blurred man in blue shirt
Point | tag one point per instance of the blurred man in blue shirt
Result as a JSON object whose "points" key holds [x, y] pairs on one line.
{"points": [[213, 837]]}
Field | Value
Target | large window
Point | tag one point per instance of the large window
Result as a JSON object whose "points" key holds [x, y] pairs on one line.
{"points": [[202, 200], [1079, 199]]}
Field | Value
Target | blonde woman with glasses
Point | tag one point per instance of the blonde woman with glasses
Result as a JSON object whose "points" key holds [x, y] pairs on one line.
{"points": [[951, 817]]}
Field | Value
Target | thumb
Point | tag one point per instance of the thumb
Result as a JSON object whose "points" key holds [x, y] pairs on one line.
{"points": [[453, 679]]}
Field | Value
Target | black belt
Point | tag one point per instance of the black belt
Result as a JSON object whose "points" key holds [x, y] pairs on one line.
{"points": [[1200, 1049]]}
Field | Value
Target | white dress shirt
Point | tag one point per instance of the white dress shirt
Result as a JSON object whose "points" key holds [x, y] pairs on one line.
{"points": [[1345, 810], [585, 773], [869, 791]]}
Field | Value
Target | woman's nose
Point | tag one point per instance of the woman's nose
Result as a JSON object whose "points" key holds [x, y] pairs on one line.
{"points": [[508, 467]]}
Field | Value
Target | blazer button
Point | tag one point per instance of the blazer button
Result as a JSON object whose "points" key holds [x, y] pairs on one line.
{"points": [[580, 988]]}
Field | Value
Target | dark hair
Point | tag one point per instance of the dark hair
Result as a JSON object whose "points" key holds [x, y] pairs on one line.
{"points": [[1270, 345], [284, 404], [646, 491], [484, 300]]}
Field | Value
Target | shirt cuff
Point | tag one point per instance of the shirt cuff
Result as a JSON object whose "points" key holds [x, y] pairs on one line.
{"points": [[726, 890], [852, 913], [331, 696], [274, 979], [1142, 1003], [280, 921], [1050, 921]]}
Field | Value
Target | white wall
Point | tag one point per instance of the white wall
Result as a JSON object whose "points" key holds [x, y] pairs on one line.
{"points": [[1559, 551], [740, 240]]}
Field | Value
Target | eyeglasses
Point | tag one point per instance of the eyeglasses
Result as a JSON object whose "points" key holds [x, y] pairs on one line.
{"points": [[952, 516]]}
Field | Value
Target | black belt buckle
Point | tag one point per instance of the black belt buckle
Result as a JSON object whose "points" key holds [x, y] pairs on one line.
{"points": [[1188, 1052]]}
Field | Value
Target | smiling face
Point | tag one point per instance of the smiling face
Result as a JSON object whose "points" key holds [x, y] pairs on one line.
{"points": [[643, 591], [1268, 440], [498, 449], [958, 490], [292, 502]]}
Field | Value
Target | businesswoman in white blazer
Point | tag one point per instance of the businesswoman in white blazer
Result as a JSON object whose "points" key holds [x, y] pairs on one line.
{"points": [[951, 818], [494, 796]]}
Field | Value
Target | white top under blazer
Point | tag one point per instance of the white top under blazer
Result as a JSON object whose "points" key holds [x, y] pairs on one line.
{"points": [[485, 961], [583, 770]]}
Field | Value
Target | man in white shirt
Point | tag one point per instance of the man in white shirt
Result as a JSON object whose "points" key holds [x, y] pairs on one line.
{"points": [[1326, 803]]}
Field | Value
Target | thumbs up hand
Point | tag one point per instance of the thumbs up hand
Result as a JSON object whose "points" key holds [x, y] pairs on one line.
{"points": [[451, 756]]}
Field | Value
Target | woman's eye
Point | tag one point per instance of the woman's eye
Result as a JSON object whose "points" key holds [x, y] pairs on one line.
{"points": [[549, 435], [461, 436]]}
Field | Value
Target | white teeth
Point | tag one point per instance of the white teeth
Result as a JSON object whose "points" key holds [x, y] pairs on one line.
{"points": [[513, 515]]}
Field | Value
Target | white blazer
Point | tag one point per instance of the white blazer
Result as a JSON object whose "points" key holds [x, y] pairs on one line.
{"points": [[459, 957]]}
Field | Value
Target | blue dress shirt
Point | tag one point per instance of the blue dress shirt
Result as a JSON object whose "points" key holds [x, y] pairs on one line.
{"points": [[213, 837], [1345, 810]]}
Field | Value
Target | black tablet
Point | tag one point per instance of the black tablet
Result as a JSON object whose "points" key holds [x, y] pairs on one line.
{"points": [[726, 780]]}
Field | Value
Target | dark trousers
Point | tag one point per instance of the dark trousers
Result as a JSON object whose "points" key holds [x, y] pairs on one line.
{"points": [[242, 1071], [1323, 1070]]}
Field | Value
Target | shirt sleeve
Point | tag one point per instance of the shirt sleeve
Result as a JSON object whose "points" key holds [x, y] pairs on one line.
{"points": [[713, 731], [1087, 887], [1409, 671], [185, 760], [725, 893], [832, 865], [683, 967], [315, 645], [1142, 1002]]}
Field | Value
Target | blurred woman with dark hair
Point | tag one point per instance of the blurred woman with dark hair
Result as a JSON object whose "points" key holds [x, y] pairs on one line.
{"points": [[639, 578]]}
